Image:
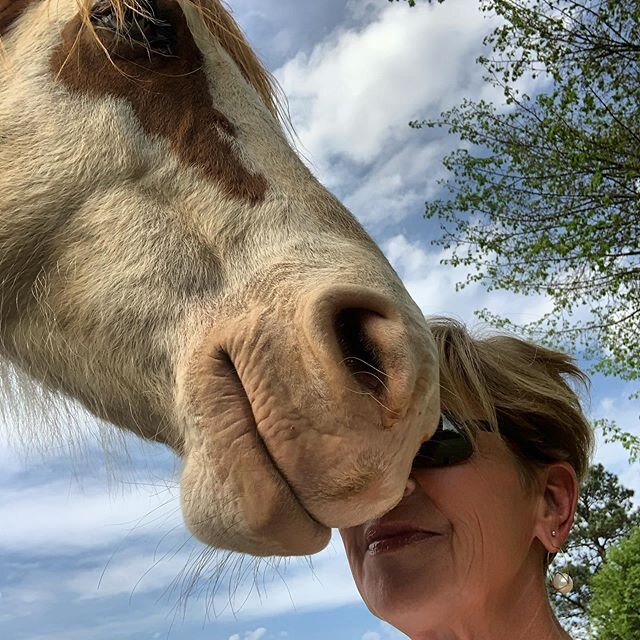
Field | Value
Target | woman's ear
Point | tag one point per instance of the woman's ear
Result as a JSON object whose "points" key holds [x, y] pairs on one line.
{"points": [[556, 505]]}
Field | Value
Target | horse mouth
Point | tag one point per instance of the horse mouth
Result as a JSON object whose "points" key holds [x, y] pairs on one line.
{"points": [[237, 496], [233, 377], [279, 448]]}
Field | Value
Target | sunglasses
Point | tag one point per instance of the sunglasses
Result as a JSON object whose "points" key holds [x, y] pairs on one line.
{"points": [[449, 445]]}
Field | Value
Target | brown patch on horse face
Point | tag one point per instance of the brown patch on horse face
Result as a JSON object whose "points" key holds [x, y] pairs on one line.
{"points": [[10, 11], [169, 95]]}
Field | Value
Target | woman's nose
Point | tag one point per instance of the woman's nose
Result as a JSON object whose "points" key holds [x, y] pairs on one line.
{"points": [[410, 488]]}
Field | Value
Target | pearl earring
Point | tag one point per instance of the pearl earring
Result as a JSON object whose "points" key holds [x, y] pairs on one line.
{"points": [[561, 582]]}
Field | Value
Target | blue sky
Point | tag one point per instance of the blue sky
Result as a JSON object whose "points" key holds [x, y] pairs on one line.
{"points": [[94, 546]]}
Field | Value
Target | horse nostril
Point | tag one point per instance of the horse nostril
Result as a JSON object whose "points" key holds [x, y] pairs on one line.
{"points": [[367, 347], [359, 350]]}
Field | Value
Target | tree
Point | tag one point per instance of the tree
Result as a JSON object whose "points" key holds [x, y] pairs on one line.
{"points": [[544, 194], [605, 515], [615, 605]]}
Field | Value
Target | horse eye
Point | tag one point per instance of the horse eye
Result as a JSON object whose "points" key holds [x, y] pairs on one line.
{"points": [[135, 31]]}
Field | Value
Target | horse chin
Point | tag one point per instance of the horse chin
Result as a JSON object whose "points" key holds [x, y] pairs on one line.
{"points": [[250, 508]]}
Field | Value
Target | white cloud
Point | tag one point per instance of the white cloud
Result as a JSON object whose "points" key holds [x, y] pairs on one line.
{"points": [[352, 97], [399, 184], [433, 286], [227, 587], [258, 634], [132, 573], [64, 517], [370, 635], [345, 94], [625, 412]]}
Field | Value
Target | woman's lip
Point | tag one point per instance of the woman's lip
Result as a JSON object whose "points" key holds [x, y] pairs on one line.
{"points": [[397, 541], [382, 532]]}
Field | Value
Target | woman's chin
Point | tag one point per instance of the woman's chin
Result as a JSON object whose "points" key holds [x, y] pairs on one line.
{"points": [[405, 583], [410, 607]]}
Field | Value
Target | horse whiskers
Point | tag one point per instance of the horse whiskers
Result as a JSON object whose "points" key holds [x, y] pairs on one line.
{"points": [[368, 364], [207, 570], [196, 571], [225, 566], [373, 375], [155, 564], [368, 393], [104, 570]]}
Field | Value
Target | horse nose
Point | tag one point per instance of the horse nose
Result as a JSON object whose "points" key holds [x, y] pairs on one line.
{"points": [[369, 345]]}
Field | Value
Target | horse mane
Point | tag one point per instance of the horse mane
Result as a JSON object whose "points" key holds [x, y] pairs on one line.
{"points": [[222, 27]]}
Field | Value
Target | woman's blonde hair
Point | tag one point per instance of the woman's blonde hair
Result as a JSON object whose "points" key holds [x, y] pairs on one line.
{"points": [[525, 391]]}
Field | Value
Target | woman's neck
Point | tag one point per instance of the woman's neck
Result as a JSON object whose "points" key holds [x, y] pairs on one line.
{"points": [[521, 612]]}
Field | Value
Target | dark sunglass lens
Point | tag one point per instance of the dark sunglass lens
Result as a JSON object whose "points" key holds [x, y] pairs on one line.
{"points": [[449, 445]]}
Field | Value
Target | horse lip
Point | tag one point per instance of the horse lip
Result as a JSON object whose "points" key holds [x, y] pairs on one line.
{"points": [[254, 425], [281, 473]]}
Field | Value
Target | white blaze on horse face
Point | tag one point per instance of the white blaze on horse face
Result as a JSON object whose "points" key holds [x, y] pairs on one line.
{"points": [[170, 262]]}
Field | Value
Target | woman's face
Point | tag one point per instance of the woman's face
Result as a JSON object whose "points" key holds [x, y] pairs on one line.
{"points": [[460, 540]]}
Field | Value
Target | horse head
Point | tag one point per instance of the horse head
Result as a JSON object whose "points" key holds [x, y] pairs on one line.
{"points": [[169, 262]]}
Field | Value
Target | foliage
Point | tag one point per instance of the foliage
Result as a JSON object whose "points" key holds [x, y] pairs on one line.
{"points": [[613, 433], [605, 514], [544, 192], [615, 606]]}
